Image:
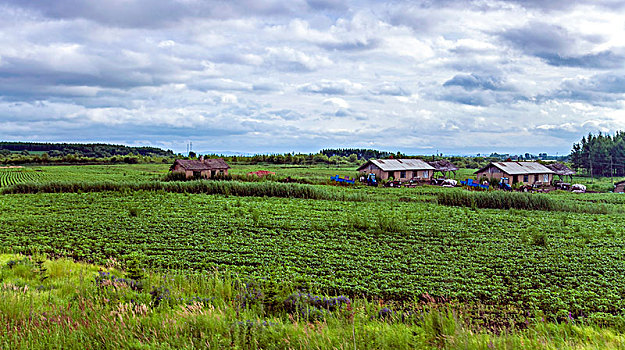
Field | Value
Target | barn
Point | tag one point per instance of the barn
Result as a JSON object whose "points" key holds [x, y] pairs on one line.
{"points": [[398, 169], [619, 187], [205, 168], [527, 173]]}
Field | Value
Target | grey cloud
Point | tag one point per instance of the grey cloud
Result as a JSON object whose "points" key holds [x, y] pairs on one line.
{"points": [[538, 37], [602, 60], [153, 14], [558, 47], [334, 5], [599, 89], [472, 82]]}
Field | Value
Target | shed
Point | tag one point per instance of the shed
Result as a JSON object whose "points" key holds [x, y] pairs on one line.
{"points": [[528, 173], [561, 170], [399, 169], [619, 187], [444, 167], [205, 168]]}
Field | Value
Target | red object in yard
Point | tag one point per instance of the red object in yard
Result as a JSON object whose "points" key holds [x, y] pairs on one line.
{"points": [[261, 173]]}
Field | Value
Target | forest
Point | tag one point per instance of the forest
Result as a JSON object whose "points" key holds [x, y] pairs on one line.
{"points": [[600, 155]]}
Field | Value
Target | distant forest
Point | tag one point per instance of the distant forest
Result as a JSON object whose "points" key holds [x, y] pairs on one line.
{"points": [[91, 150], [359, 152], [600, 155]]}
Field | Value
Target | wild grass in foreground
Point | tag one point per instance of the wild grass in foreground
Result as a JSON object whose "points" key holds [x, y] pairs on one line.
{"points": [[62, 304], [234, 188]]}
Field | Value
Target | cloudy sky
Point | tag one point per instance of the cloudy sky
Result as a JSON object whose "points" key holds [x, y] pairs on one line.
{"points": [[456, 76]]}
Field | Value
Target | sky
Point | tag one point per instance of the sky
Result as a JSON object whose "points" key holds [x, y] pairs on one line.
{"points": [[265, 76]]}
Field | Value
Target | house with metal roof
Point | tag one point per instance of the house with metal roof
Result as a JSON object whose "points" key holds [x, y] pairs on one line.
{"points": [[527, 173], [205, 168], [398, 169]]}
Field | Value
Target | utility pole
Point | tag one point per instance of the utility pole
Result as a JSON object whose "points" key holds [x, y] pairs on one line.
{"points": [[591, 178], [611, 171]]}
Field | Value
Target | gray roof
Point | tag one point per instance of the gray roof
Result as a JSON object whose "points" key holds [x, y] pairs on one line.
{"points": [[519, 168], [398, 164]]}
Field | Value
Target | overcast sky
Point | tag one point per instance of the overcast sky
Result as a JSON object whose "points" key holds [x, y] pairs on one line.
{"points": [[460, 77]]}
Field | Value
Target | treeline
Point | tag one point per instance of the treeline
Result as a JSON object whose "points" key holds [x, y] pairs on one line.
{"points": [[291, 158], [600, 155], [90, 150], [44, 159], [361, 153]]}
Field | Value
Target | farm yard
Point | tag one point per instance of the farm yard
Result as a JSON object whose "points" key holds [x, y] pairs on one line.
{"points": [[396, 247]]}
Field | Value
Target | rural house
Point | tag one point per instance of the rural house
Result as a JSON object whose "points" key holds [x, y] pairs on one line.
{"points": [[205, 168], [619, 187], [527, 173], [399, 169]]}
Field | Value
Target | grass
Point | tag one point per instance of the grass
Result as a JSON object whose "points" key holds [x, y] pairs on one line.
{"points": [[81, 305], [235, 188]]}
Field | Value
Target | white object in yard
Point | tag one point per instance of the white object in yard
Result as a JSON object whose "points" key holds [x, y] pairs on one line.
{"points": [[450, 183], [578, 188]]}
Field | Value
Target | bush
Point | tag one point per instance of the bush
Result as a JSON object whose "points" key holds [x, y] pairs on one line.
{"points": [[507, 200], [234, 188]]}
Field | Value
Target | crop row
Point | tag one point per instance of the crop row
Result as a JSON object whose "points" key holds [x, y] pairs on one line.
{"points": [[9, 177]]}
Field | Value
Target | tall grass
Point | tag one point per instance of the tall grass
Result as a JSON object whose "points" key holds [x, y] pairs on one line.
{"points": [[234, 188], [82, 306], [507, 200]]}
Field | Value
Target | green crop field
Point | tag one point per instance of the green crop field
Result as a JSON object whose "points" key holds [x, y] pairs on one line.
{"points": [[398, 245], [396, 248]]}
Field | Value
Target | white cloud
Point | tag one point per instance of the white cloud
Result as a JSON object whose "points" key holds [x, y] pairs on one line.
{"points": [[470, 76]]}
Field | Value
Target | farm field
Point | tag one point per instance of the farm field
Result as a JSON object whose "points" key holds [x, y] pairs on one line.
{"points": [[397, 246]]}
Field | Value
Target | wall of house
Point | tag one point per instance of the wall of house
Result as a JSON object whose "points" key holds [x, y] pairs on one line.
{"points": [[492, 174], [379, 174], [409, 174], [424, 175]]}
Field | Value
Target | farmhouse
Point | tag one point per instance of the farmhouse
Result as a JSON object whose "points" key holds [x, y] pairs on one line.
{"points": [[528, 173], [399, 169], [619, 187], [205, 168]]}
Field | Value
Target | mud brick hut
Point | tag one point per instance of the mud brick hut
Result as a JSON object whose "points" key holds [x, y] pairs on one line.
{"points": [[619, 187], [205, 168], [398, 169], [527, 173]]}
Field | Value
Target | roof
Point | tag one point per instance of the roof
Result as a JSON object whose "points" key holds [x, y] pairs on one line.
{"points": [[560, 169], [620, 183], [443, 165], [519, 168], [198, 165], [398, 164]]}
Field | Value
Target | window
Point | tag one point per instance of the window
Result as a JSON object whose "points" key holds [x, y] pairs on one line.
{"points": [[526, 178], [426, 173], [402, 174], [536, 178], [546, 178]]}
